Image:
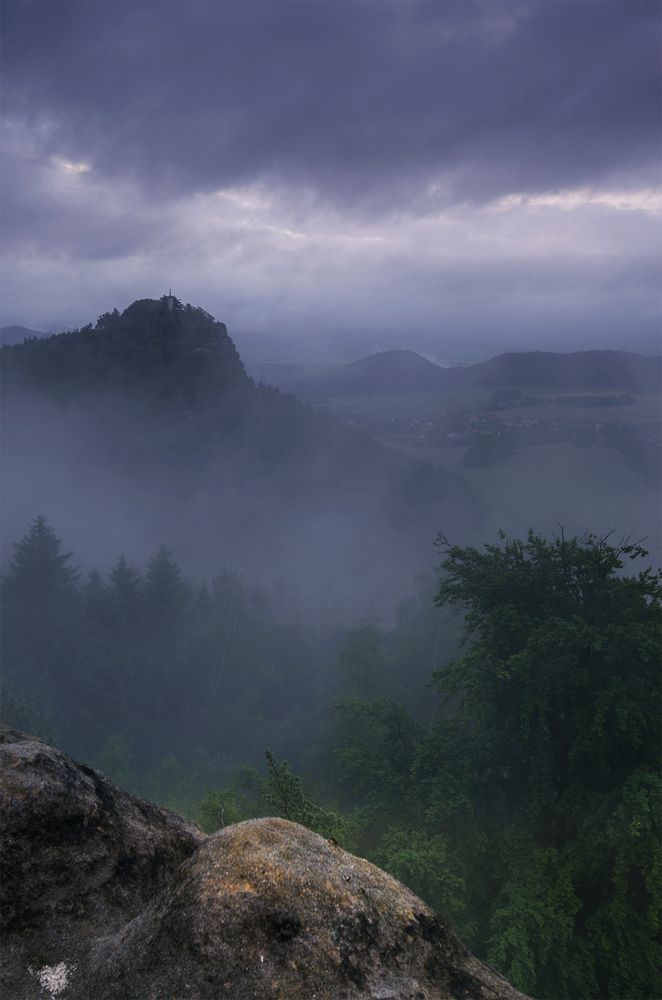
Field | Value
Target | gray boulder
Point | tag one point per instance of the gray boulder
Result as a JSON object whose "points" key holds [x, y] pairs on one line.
{"points": [[107, 896], [78, 858], [268, 909]]}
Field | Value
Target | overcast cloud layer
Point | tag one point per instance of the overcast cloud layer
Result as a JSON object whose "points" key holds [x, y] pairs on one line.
{"points": [[339, 177]]}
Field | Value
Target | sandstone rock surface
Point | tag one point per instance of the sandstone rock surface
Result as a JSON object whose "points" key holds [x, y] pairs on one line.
{"points": [[125, 900], [78, 858], [267, 908]]}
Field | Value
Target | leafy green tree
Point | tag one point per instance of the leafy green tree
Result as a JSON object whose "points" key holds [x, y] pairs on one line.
{"points": [[557, 727], [281, 793], [423, 640], [562, 671], [528, 808], [241, 800], [423, 861], [284, 794], [376, 743]]}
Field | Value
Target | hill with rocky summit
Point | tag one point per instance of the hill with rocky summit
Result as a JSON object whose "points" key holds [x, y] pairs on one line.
{"points": [[105, 896], [169, 352], [149, 415]]}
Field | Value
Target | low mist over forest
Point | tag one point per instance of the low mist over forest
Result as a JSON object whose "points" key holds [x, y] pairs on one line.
{"points": [[145, 429], [205, 569], [359, 525]]}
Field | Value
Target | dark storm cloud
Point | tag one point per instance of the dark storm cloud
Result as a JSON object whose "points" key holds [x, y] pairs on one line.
{"points": [[42, 208], [365, 103]]}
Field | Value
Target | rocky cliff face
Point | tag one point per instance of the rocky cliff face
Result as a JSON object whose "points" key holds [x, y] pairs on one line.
{"points": [[106, 896]]}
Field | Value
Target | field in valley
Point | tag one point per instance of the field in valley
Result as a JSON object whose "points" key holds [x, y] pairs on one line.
{"points": [[546, 484]]}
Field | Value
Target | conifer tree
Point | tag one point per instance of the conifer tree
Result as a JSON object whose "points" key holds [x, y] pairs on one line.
{"points": [[125, 595], [95, 602], [166, 594], [39, 572], [166, 599], [124, 621], [40, 621]]}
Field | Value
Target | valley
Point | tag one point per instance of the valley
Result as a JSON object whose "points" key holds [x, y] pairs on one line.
{"points": [[586, 458]]}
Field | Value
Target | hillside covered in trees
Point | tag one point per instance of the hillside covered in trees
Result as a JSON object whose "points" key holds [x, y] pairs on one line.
{"points": [[195, 605], [150, 417], [513, 782]]}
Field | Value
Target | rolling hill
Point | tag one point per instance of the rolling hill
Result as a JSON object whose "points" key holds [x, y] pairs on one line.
{"points": [[395, 372], [384, 372], [596, 369]]}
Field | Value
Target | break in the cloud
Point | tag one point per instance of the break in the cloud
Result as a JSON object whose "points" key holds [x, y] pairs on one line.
{"points": [[344, 175]]}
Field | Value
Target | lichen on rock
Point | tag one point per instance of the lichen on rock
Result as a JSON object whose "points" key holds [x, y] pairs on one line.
{"points": [[127, 900], [78, 858], [267, 908]]}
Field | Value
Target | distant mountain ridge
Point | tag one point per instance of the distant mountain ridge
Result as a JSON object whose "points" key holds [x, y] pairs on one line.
{"points": [[16, 334], [402, 371], [597, 369]]}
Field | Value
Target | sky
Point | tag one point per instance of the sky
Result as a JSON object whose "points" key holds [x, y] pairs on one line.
{"points": [[331, 179]]}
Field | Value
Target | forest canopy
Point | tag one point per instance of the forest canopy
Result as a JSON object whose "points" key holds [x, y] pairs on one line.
{"points": [[524, 805]]}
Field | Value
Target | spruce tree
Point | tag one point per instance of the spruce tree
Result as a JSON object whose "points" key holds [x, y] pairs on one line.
{"points": [[166, 599], [125, 620], [166, 594], [40, 615], [95, 603], [125, 595]]}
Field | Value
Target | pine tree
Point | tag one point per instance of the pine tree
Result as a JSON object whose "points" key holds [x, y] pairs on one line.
{"points": [[166, 600], [40, 619], [95, 603], [166, 594], [125, 595], [39, 572], [124, 623]]}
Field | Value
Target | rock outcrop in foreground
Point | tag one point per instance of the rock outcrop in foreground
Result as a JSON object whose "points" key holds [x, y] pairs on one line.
{"points": [[107, 896]]}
